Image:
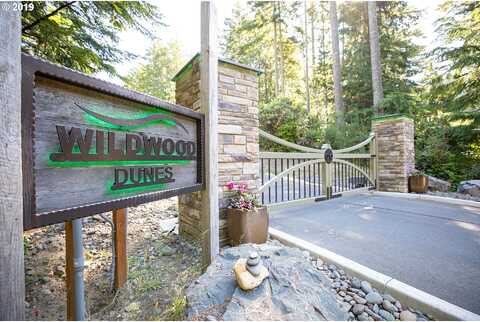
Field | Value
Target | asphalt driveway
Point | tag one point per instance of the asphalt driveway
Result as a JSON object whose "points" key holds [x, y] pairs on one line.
{"points": [[430, 245]]}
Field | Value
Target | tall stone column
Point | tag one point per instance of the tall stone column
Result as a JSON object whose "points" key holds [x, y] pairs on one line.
{"points": [[12, 286], [395, 151], [238, 138]]}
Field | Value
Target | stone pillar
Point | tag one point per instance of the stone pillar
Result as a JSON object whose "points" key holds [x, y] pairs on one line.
{"points": [[395, 151], [238, 138]]}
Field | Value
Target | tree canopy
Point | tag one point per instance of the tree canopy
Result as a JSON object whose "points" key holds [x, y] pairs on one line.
{"points": [[84, 35], [154, 76]]}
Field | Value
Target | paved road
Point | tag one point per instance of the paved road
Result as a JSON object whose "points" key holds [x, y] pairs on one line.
{"points": [[430, 245]]}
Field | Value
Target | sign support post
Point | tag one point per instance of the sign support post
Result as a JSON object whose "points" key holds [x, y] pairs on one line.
{"points": [[74, 270], [12, 283], [119, 218], [209, 106]]}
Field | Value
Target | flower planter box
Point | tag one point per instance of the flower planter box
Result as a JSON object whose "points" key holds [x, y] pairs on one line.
{"points": [[247, 226], [418, 183]]}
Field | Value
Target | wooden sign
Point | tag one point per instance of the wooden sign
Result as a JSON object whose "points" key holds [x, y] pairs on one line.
{"points": [[90, 146]]}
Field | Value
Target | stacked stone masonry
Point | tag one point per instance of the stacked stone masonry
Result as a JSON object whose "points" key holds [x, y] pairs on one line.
{"points": [[395, 152], [238, 138]]}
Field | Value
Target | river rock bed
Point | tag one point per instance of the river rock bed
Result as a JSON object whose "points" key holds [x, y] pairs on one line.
{"points": [[298, 288], [362, 301]]}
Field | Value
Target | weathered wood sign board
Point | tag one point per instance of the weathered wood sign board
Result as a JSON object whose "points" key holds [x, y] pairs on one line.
{"points": [[90, 146]]}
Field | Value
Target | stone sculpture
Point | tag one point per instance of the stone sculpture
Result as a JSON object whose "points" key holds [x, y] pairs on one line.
{"points": [[250, 272]]}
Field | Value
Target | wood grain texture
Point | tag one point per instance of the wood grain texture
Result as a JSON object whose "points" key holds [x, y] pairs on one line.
{"points": [[12, 285], [65, 187], [121, 263], [209, 106]]}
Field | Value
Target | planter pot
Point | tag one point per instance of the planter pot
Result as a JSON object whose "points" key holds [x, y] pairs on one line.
{"points": [[247, 226], [418, 184]]}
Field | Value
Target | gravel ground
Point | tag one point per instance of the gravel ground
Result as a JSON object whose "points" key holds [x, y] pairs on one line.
{"points": [[160, 265]]}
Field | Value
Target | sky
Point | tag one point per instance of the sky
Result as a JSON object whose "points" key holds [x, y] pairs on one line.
{"points": [[182, 18]]}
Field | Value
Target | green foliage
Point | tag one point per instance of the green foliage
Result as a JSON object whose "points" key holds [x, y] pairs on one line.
{"points": [[399, 103], [281, 118], [398, 53], [84, 35], [154, 76], [445, 104], [291, 122], [448, 136], [250, 38]]}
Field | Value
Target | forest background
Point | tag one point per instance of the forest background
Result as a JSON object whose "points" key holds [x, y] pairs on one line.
{"points": [[292, 43]]}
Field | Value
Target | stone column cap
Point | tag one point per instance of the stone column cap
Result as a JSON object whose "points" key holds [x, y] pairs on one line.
{"points": [[391, 117], [189, 65]]}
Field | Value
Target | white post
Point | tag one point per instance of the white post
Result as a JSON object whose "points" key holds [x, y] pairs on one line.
{"points": [[209, 106], [12, 283]]}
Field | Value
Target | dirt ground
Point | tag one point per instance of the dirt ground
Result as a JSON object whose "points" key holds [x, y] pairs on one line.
{"points": [[160, 267]]}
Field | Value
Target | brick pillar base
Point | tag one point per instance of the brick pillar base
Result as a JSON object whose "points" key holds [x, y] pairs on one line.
{"points": [[238, 137], [395, 151]]}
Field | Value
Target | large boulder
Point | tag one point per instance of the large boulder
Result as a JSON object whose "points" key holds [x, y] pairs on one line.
{"points": [[295, 290], [470, 187], [435, 184]]}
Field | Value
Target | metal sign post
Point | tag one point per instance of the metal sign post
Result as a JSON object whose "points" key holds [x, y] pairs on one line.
{"points": [[74, 270]]}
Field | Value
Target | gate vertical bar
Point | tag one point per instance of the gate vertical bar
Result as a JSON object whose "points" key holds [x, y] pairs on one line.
{"points": [[329, 172], [323, 177], [282, 178]]}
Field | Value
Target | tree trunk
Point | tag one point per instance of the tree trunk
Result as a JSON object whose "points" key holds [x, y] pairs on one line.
{"points": [[324, 62], [282, 62], [337, 69], [375, 58], [307, 85], [312, 25], [12, 283], [275, 45]]}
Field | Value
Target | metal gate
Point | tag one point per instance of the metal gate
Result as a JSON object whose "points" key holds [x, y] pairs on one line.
{"points": [[317, 174]]}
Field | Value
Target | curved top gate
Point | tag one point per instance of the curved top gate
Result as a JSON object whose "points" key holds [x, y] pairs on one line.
{"points": [[317, 174]]}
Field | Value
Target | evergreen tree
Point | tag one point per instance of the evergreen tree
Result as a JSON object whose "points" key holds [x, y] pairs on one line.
{"points": [[84, 35], [154, 77], [448, 138], [259, 34], [399, 56]]}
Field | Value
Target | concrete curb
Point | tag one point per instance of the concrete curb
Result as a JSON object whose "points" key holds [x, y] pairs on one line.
{"points": [[406, 294], [452, 201]]}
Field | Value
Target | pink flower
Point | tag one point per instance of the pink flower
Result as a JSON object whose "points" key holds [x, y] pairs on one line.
{"points": [[242, 187], [230, 185]]}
